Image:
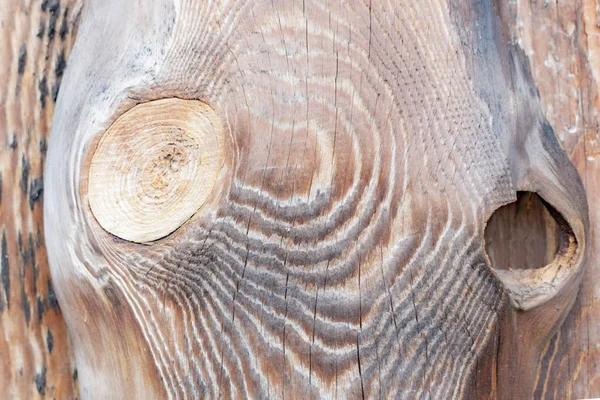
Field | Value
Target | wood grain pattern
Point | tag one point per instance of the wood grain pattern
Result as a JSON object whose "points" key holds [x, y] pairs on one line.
{"points": [[36, 359], [341, 250]]}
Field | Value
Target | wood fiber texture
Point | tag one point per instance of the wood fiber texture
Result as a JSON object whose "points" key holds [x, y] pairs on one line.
{"points": [[36, 358]]}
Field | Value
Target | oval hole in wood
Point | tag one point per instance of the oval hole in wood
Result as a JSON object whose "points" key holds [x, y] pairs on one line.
{"points": [[526, 234], [532, 250]]}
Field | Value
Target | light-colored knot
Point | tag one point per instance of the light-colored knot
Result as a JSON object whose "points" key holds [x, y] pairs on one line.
{"points": [[154, 168]]}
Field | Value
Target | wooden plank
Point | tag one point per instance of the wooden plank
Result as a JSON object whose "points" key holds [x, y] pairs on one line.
{"points": [[560, 39]]}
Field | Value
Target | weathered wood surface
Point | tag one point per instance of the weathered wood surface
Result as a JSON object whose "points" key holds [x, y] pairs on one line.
{"points": [[341, 250], [559, 39], [562, 41], [36, 359]]}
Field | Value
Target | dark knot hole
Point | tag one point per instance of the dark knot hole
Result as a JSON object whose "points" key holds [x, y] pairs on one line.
{"points": [[526, 234]]}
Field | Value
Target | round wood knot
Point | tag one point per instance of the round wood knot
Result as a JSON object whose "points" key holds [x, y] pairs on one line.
{"points": [[154, 168]]}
